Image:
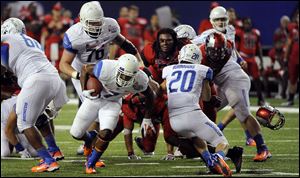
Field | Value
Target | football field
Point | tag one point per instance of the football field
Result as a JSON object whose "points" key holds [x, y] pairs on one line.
{"points": [[283, 144]]}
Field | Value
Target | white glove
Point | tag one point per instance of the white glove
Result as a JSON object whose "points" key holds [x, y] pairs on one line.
{"points": [[25, 154], [145, 125], [135, 157], [168, 157], [87, 94]]}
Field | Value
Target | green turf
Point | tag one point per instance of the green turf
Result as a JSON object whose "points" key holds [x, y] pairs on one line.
{"points": [[283, 144]]}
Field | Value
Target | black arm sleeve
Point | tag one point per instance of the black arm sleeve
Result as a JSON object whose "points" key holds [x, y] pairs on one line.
{"points": [[129, 47]]}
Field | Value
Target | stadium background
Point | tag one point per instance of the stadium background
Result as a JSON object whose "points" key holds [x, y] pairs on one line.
{"points": [[265, 14]]}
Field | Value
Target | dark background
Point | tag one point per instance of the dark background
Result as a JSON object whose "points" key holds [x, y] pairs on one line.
{"points": [[265, 14]]}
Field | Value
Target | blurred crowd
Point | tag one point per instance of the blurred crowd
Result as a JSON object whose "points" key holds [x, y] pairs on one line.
{"points": [[48, 28]]}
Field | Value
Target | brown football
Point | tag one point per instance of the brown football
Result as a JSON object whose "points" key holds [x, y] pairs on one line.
{"points": [[94, 83]]}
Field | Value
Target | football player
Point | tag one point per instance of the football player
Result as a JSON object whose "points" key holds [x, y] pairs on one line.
{"points": [[40, 83], [233, 86], [117, 79], [88, 41], [219, 20], [248, 44], [185, 83]]}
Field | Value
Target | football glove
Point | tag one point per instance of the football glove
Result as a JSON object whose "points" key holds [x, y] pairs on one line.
{"points": [[134, 157], [25, 154], [145, 126]]}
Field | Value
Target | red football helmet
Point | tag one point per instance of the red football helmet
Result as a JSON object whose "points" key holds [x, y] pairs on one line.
{"points": [[217, 46], [265, 116]]}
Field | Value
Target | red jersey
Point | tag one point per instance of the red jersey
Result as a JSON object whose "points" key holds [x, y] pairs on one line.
{"points": [[276, 55], [248, 42], [294, 36], [281, 35], [157, 62], [150, 35], [133, 31]]}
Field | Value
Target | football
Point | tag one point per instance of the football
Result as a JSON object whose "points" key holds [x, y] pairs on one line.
{"points": [[94, 83]]}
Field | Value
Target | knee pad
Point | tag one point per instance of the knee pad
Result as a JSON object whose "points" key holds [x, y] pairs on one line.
{"points": [[105, 134]]}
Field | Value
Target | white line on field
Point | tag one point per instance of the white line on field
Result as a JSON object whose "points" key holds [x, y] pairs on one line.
{"points": [[252, 108], [126, 164], [68, 127]]}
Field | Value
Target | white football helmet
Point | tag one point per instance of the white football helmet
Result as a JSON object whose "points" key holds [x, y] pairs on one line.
{"points": [[128, 67], [91, 18], [13, 26], [190, 53], [219, 13], [185, 31]]}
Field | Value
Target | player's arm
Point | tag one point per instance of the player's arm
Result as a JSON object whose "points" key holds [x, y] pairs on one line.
{"points": [[240, 60], [260, 54], [86, 70], [67, 58], [127, 46], [10, 128], [206, 93], [288, 50]]}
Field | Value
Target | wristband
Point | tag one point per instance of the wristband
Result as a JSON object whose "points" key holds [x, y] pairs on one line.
{"points": [[75, 75]]}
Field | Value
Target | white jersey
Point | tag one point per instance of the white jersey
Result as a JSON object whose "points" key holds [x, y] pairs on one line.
{"points": [[184, 86], [106, 70], [6, 107], [24, 56], [230, 35], [87, 49]]}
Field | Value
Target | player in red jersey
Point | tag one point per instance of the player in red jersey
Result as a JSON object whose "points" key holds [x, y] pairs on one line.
{"points": [[291, 58], [248, 45]]}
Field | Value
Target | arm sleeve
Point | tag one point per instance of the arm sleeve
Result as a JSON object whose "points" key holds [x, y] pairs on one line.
{"points": [[68, 45]]}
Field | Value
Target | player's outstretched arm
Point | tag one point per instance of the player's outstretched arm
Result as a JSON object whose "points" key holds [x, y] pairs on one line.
{"points": [[127, 46], [65, 64]]}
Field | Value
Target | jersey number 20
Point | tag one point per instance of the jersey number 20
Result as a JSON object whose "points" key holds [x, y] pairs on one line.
{"points": [[183, 78]]}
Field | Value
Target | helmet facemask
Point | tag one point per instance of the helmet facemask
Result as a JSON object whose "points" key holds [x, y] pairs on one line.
{"points": [[220, 24], [93, 28], [124, 79]]}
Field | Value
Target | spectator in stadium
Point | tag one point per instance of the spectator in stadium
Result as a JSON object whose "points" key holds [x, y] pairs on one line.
{"points": [[249, 46], [52, 34], [132, 28], [123, 13], [291, 60], [233, 19], [205, 23], [32, 21], [151, 30]]}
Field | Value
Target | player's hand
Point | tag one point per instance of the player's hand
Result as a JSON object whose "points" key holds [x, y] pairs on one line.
{"points": [[145, 125], [168, 157], [134, 157], [244, 65], [25, 154], [87, 94], [215, 101]]}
